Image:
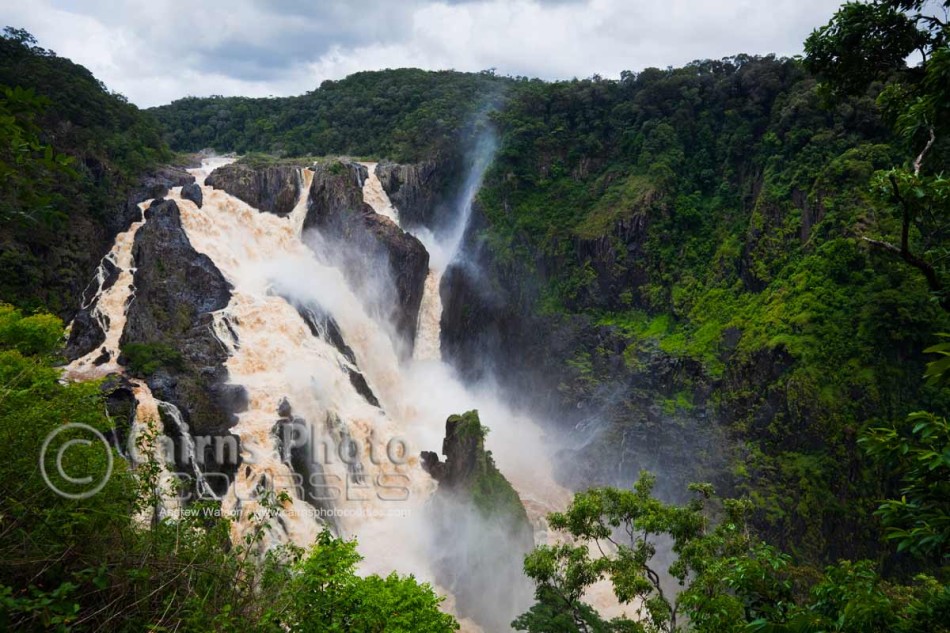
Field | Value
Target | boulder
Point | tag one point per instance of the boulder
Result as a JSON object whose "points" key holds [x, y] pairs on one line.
{"points": [[192, 192], [85, 334], [272, 189]]}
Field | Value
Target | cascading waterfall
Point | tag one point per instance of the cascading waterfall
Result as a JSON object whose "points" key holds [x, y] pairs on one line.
{"points": [[428, 344], [530, 472], [278, 284]]}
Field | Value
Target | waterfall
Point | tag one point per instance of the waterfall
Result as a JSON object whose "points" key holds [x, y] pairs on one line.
{"points": [[190, 453], [311, 356], [428, 345], [375, 196], [429, 329]]}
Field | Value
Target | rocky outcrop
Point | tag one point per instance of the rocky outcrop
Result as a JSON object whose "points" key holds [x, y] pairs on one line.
{"points": [[273, 189], [469, 471], [481, 530], [192, 192], [85, 335], [85, 332], [176, 290], [337, 210], [417, 190]]}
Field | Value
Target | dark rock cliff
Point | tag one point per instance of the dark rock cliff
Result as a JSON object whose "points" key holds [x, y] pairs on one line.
{"points": [[274, 189], [176, 289], [337, 210], [416, 190], [624, 408], [86, 334]]}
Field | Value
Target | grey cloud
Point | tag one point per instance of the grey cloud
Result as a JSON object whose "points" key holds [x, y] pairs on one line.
{"points": [[158, 50]]}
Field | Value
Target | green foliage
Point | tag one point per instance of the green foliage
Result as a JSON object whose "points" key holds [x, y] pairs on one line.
{"points": [[147, 358], [728, 576], [919, 452], [730, 580], [862, 42], [32, 335], [70, 154], [852, 598], [29, 168], [327, 595]]}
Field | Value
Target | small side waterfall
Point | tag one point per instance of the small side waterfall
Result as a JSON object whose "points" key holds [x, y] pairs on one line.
{"points": [[428, 345], [429, 330], [109, 306]]}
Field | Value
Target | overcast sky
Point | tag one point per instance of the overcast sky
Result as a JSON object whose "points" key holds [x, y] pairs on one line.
{"points": [[155, 51]]}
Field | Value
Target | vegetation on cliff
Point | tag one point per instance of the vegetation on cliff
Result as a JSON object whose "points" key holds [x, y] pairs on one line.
{"points": [[730, 220], [70, 154], [470, 472]]}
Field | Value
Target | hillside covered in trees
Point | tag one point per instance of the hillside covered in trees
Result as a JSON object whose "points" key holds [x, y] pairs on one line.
{"points": [[731, 272]]}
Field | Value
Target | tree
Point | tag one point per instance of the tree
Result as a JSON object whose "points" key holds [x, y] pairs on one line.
{"points": [[917, 452], [730, 581], [728, 577], [868, 42], [327, 595]]}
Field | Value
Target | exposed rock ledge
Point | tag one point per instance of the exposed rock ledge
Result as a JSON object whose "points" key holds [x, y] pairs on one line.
{"points": [[273, 188]]}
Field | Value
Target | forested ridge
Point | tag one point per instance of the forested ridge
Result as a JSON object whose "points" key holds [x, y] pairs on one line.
{"points": [[71, 155], [737, 268], [405, 114]]}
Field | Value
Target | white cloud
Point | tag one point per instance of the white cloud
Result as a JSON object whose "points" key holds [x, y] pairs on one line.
{"points": [[159, 50]]}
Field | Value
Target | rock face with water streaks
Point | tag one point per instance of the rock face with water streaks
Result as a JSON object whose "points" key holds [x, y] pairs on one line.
{"points": [[416, 189], [176, 290], [337, 209], [272, 188], [85, 332]]}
